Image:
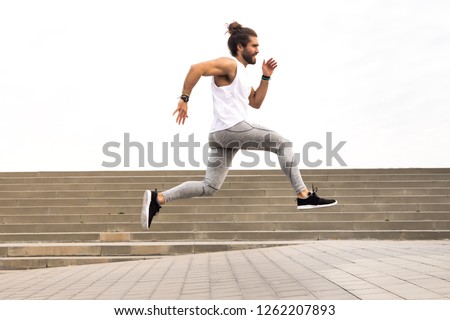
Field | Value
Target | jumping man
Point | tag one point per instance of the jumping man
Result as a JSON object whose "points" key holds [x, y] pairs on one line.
{"points": [[232, 94]]}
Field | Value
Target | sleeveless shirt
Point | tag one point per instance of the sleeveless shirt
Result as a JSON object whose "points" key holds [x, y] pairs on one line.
{"points": [[230, 102]]}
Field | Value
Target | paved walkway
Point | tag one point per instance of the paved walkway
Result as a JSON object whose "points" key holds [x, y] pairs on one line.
{"points": [[310, 270]]}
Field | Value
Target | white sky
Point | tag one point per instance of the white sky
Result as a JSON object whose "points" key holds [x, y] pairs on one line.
{"points": [[75, 75]]}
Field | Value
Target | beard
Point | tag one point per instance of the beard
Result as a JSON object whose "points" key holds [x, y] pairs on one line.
{"points": [[249, 58]]}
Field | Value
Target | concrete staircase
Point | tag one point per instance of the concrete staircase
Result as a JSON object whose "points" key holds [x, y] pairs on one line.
{"points": [[67, 218]]}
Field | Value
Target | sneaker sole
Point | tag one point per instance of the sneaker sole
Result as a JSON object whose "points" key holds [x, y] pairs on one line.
{"points": [[310, 206], [145, 209]]}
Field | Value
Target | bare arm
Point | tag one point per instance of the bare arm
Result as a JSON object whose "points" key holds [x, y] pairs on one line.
{"points": [[256, 98], [217, 67]]}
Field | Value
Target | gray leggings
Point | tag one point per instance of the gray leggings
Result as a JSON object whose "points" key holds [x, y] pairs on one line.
{"points": [[224, 144]]}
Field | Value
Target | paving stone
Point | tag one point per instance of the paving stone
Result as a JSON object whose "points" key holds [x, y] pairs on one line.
{"points": [[304, 271]]}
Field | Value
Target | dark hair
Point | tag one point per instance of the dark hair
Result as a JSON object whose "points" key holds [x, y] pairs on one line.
{"points": [[238, 35]]}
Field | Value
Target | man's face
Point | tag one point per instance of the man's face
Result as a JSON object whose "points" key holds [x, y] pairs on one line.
{"points": [[251, 50]]}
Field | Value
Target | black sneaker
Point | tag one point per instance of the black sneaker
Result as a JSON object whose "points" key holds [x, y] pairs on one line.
{"points": [[150, 208], [314, 201]]}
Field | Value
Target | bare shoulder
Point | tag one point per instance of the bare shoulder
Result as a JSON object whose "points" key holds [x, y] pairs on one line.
{"points": [[222, 66], [229, 66], [226, 62]]}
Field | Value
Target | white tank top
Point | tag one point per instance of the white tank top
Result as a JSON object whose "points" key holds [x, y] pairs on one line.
{"points": [[230, 102]]}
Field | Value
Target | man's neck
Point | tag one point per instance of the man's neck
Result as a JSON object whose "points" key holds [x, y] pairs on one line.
{"points": [[242, 60]]}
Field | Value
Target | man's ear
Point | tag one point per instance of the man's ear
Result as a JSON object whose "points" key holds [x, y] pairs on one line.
{"points": [[240, 46]]}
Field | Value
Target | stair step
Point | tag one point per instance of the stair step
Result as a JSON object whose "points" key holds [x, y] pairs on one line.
{"points": [[219, 209], [231, 178], [24, 263], [222, 217], [223, 193], [226, 185], [224, 226], [218, 200], [236, 236], [26, 256]]}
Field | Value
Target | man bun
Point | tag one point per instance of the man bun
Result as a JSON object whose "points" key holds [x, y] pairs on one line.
{"points": [[234, 28]]}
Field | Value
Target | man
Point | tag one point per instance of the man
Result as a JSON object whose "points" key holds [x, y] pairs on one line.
{"points": [[230, 131]]}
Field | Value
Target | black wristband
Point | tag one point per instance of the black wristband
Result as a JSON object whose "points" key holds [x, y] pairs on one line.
{"points": [[265, 78], [184, 97]]}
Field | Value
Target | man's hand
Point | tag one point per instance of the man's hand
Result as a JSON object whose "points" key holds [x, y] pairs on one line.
{"points": [[182, 112], [268, 67]]}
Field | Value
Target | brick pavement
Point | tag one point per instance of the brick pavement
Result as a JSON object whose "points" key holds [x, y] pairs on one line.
{"points": [[331, 270]]}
